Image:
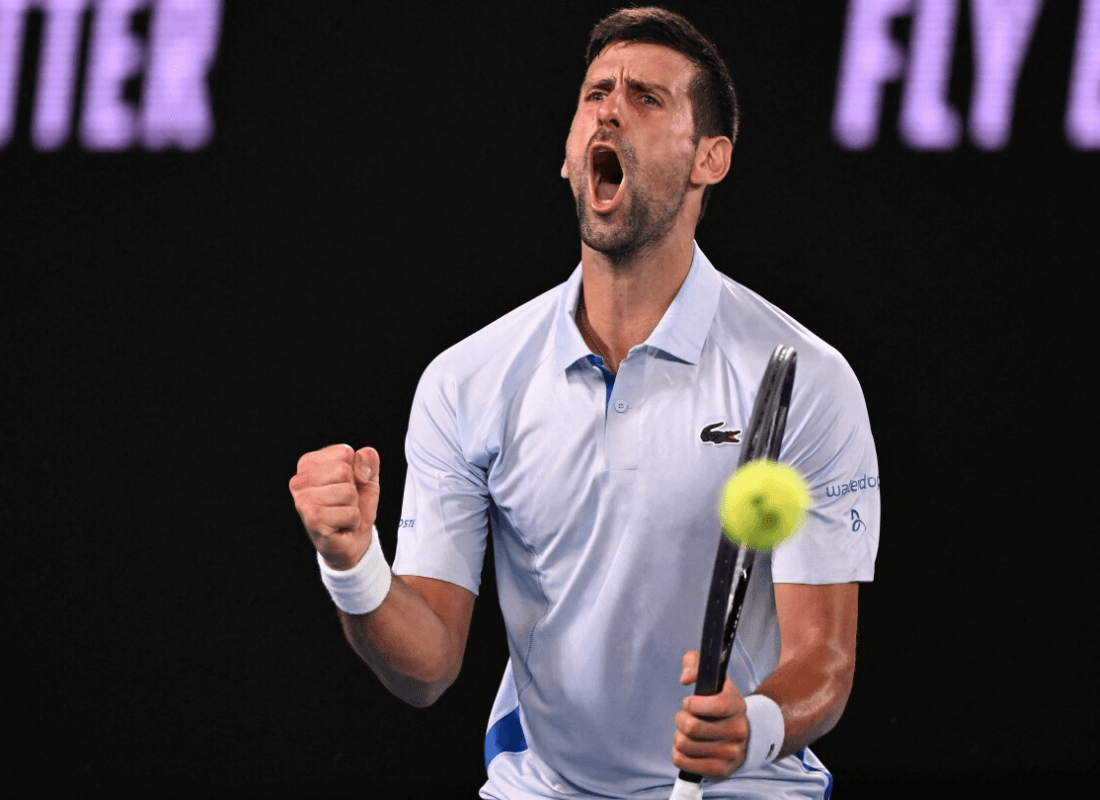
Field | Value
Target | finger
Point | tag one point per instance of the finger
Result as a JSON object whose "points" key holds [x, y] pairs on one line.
{"points": [[723, 748], [726, 703], [324, 473], [342, 452], [326, 520], [713, 761], [366, 484], [333, 494], [367, 465], [690, 667], [702, 729]]}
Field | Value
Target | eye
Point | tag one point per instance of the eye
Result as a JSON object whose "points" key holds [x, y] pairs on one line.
{"points": [[650, 100], [595, 95]]}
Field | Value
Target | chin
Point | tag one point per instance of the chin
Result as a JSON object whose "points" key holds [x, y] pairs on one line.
{"points": [[626, 235]]}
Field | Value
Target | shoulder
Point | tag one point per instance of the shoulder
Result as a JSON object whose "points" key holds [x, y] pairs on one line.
{"points": [[487, 361], [827, 396], [748, 327]]}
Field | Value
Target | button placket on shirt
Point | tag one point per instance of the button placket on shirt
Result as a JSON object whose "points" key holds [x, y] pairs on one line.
{"points": [[622, 429]]}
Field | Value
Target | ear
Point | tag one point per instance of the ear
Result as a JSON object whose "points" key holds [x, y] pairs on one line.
{"points": [[565, 168], [712, 160]]}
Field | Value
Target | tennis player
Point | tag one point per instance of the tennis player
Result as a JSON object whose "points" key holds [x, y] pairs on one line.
{"points": [[588, 432]]}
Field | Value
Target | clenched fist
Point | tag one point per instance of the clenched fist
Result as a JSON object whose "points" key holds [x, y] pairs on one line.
{"points": [[336, 495]]}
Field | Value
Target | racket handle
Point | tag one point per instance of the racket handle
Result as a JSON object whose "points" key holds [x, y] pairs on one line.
{"points": [[686, 789]]}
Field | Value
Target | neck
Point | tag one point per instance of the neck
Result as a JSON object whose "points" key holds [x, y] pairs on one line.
{"points": [[623, 302]]}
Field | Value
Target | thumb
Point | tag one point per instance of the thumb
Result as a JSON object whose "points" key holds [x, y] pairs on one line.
{"points": [[366, 483], [690, 664]]}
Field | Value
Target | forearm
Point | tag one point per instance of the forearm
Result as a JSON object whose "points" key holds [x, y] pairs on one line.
{"points": [[406, 644], [811, 691], [410, 631]]}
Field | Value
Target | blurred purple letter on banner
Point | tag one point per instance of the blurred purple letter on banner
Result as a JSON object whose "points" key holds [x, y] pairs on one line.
{"points": [[1083, 111], [182, 45], [11, 50], [114, 57], [1002, 33], [53, 107]]}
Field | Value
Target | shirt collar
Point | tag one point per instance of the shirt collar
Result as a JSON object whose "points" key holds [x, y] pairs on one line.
{"points": [[681, 332], [683, 329], [569, 346]]}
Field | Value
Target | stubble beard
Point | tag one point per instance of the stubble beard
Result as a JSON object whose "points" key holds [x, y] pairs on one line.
{"points": [[644, 220]]}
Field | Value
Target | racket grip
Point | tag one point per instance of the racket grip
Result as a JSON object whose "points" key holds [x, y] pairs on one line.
{"points": [[687, 789]]}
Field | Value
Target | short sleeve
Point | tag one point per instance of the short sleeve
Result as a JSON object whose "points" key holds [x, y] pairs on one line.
{"points": [[829, 441], [444, 513]]}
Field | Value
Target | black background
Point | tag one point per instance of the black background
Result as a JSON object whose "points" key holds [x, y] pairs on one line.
{"points": [[180, 327]]}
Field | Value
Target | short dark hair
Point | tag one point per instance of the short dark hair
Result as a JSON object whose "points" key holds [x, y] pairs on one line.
{"points": [[714, 107]]}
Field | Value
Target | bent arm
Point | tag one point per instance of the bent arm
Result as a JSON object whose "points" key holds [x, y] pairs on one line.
{"points": [[414, 641], [817, 660]]}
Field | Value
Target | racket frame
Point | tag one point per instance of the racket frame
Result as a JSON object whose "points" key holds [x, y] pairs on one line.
{"points": [[733, 564]]}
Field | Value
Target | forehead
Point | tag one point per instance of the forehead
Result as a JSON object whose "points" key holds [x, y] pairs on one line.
{"points": [[651, 63]]}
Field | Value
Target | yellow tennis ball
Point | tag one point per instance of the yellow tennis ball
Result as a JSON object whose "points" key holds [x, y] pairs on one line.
{"points": [[763, 503]]}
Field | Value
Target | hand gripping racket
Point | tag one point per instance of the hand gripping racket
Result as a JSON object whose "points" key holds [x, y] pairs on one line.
{"points": [[733, 565]]}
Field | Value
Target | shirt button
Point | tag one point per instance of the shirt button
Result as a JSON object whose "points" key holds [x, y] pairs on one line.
{"points": [[620, 406]]}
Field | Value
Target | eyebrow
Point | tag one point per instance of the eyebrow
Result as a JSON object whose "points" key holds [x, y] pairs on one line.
{"points": [[607, 84]]}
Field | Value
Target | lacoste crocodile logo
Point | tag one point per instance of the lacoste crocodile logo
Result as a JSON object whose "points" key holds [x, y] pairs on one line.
{"points": [[709, 434]]}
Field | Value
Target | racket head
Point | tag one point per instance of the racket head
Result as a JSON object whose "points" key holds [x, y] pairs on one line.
{"points": [[733, 564]]}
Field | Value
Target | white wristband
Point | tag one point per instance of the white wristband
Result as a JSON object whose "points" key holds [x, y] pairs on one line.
{"points": [[362, 588], [766, 731]]}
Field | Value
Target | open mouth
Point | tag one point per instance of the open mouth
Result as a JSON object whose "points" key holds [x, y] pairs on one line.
{"points": [[607, 175]]}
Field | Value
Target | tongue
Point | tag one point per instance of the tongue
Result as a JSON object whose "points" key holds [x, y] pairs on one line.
{"points": [[605, 191]]}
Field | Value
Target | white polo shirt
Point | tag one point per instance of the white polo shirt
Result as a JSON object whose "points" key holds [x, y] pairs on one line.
{"points": [[602, 508]]}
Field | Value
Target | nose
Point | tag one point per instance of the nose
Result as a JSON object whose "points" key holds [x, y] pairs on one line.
{"points": [[609, 112]]}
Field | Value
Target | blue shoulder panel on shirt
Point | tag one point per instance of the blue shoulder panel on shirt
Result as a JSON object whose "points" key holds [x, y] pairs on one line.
{"points": [[812, 768], [505, 737]]}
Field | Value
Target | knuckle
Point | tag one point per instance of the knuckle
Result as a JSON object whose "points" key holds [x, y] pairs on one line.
{"points": [[308, 460], [737, 707], [312, 525], [346, 519], [741, 729]]}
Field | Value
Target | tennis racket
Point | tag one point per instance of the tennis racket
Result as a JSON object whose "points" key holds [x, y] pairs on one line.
{"points": [[733, 565]]}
